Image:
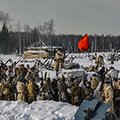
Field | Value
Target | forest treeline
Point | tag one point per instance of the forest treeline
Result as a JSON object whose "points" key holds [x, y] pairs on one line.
{"points": [[17, 41]]}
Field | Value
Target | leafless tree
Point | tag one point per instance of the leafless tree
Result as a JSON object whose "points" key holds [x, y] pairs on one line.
{"points": [[47, 28], [27, 28], [4, 17]]}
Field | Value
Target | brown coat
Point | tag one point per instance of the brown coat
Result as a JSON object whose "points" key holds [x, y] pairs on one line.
{"points": [[32, 91], [88, 93], [29, 75], [76, 95], [116, 84], [7, 92], [94, 83], [22, 92], [108, 93], [99, 61]]}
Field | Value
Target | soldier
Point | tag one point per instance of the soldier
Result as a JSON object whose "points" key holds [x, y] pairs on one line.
{"points": [[59, 61], [21, 91], [54, 86], [112, 73], [46, 92], [23, 70], [116, 84], [107, 92], [17, 74], [88, 91], [102, 73], [8, 91], [30, 74], [63, 93], [116, 97], [77, 94], [10, 72], [99, 61], [33, 90], [3, 75], [94, 82]]}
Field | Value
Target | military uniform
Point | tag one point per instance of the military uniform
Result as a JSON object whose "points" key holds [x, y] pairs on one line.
{"points": [[22, 70], [33, 90], [76, 94], [108, 93], [88, 91], [22, 91], [46, 93], [7, 92], [29, 75], [59, 58], [99, 61], [63, 93], [94, 82]]}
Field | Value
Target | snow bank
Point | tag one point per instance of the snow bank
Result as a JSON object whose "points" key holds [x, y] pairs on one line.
{"points": [[39, 110]]}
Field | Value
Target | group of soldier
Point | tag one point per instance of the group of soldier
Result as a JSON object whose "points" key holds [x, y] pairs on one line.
{"points": [[20, 82]]}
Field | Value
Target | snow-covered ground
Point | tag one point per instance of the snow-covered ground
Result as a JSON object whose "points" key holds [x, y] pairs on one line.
{"points": [[42, 110], [39, 110]]}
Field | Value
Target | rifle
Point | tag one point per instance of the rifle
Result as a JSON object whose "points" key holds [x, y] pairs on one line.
{"points": [[45, 76], [66, 55]]}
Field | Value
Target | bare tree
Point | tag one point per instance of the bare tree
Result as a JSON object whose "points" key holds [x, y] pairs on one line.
{"points": [[10, 28], [47, 28], [4, 17], [51, 27], [27, 28]]}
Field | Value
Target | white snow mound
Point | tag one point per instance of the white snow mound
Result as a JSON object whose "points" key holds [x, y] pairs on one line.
{"points": [[39, 110]]}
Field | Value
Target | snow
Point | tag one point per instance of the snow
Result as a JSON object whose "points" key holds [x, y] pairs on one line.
{"points": [[39, 110], [42, 110]]}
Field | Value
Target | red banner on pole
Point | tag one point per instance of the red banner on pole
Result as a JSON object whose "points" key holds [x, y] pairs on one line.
{"points": [[83, 43]]}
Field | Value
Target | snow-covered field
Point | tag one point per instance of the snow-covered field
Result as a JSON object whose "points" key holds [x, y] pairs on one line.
{"points": [[39, 110], [42, 110]]}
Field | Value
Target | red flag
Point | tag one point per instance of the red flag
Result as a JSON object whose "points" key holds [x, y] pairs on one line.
{"points": [[83, 43]]}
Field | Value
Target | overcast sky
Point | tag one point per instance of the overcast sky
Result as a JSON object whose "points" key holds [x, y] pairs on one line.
{"points": [[70, 16]]}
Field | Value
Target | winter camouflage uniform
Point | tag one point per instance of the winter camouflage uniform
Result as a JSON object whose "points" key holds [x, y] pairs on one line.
{"points": [[59, 61], [112, 73]]}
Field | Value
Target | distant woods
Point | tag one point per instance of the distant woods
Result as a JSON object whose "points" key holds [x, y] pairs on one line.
{"points": [[16, 39]]}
